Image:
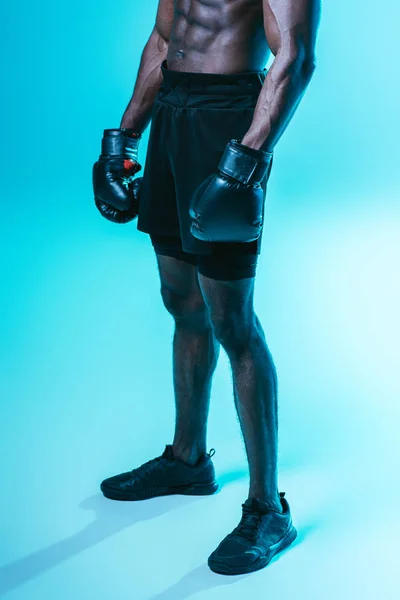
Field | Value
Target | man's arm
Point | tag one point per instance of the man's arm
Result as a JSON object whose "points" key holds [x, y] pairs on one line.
{"points": [[138, 112], [291, 30]]}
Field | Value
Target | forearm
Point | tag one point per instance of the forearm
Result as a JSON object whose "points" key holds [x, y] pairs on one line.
{"points": [[138, 112], [283, 89]]}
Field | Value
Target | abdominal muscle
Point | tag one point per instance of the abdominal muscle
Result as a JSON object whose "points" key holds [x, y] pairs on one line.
{"points": [[218, 36]]}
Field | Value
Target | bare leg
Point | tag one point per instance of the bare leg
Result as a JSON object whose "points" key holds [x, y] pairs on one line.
{"points": [[239, 331], [195, 355]]}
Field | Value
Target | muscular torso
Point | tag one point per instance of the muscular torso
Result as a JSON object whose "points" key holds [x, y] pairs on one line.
{"points": [[218, 36]]}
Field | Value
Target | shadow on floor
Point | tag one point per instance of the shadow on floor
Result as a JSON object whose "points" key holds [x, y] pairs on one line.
{"points": [[110, 518], [202, 578]]}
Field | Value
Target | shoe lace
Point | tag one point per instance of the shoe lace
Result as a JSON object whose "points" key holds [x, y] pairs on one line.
{"points": [[249, 523], [148, 467], [154, 463]]}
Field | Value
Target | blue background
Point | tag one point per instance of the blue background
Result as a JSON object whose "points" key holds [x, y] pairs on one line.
{"points": [[85, 348]]}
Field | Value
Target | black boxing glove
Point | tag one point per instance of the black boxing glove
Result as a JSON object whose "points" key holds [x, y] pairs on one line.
{"points": [[116, 191], [228, 206]]}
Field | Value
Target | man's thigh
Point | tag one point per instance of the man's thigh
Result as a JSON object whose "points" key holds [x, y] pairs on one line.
{"points": [[222, 283], [230, 299], [180, 287]]}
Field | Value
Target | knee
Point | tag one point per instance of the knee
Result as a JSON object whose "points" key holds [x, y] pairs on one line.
{"points": [[185, 308], [234, 330]]}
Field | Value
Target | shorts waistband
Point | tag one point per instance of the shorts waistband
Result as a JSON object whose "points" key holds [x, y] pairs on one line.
{"points": [[198, 82]]}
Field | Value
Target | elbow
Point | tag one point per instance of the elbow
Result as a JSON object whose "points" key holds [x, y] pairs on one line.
{"points": [[298, 65], [300, 69], [296, 55], [159, 41], [305, 61], [307, 66]]}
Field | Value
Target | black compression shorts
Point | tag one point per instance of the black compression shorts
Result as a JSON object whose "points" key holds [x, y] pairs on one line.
{"points": [[228, 262]]}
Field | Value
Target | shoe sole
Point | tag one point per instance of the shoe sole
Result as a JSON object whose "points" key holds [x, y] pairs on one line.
{"points": [[260, 563], [194, 489]]}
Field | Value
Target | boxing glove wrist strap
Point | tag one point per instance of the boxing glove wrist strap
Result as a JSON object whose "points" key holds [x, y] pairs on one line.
{"points": [[123, 143], [246, 165]]}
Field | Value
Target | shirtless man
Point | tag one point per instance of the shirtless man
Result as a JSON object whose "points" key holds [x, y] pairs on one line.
{"points": [[216, 115]]}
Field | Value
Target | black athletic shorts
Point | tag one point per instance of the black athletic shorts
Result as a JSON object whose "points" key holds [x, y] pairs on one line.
{"points": [[195, 115]]}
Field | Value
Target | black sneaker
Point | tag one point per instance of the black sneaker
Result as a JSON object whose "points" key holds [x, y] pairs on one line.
{"points": [[162, 476], [262, 533]]}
